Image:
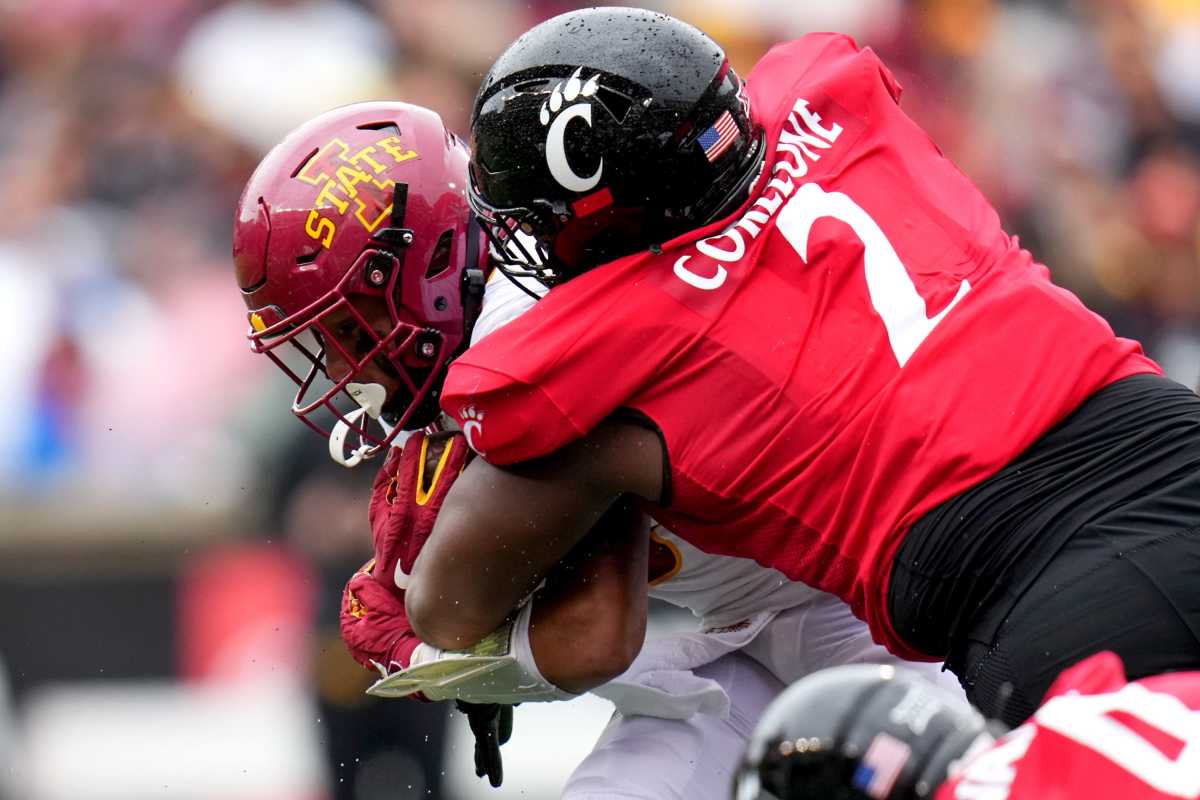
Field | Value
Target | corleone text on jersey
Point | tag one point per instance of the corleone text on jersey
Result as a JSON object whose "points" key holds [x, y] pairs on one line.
{"points": [[804, 134]]}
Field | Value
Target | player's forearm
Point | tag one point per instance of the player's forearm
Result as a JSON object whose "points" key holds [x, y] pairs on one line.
{"points": [[501, 530], [590, 620], [483, 559]]}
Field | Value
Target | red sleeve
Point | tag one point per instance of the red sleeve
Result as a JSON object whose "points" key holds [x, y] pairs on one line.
{"points": [[505, 420], [550, 376]]}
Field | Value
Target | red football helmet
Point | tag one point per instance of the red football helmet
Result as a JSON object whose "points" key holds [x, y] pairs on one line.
{"points": [[359, 260]]}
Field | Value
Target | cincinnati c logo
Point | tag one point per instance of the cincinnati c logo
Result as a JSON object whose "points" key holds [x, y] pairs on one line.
{"points": [[556, 154]]}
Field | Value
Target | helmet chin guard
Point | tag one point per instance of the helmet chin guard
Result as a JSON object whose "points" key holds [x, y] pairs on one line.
{"points": [[359, 263], [370, 396]]}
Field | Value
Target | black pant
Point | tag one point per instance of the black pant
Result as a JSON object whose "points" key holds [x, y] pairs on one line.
{"points": [[1124, 591], [1088, 541]]}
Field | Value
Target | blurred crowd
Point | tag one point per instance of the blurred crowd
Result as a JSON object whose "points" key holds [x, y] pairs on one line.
{"points": [[127, 130]]}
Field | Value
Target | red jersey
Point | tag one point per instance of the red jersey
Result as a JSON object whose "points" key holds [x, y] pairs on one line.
{"points": [[1096, 737], [857, 344]]}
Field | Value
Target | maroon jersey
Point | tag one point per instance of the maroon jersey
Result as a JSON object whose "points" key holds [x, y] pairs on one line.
{"points": [[1099, 737], [858, 343]]}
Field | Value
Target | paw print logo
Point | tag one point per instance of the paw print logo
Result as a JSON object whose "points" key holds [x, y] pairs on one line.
{"points": [[567, 91], [472, 425], [557, 112]]}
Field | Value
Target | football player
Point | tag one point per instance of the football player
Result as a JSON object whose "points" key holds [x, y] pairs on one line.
{"points": [[881, 733], [359, 262], [322, 235], [785, 322], [362, 271]]}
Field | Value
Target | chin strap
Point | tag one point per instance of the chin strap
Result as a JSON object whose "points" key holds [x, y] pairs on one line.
{"points": [[370, 398], [473, 283], [337, 440]]}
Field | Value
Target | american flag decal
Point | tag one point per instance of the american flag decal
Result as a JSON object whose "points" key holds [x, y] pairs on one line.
{"points": [[716, 140], [881, 765]]}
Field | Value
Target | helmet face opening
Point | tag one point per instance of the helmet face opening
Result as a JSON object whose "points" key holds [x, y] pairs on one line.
{"points": [[351, 338], [358, 260]]}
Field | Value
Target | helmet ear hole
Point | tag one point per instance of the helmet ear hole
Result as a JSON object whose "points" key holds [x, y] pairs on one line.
{"points": [[385, 125], [439, 262], [302, 163]]}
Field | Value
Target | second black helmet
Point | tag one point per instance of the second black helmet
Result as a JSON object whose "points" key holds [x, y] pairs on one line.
{"points": [[860, 732]]}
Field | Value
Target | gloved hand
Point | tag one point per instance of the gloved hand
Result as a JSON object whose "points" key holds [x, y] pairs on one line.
{"points": [[492, 725], [407, 496], [405, 500], [375, 628], [404, 503]]}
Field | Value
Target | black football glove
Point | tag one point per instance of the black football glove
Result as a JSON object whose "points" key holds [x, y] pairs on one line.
{"points": [[492, 725]]}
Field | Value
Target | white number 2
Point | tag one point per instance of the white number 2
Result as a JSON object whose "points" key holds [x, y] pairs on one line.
{"points": [[893, 294], [1086, 719]]}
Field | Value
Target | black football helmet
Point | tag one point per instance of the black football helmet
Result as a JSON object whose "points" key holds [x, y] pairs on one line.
{"points": [[604, 131], [859, 732]]}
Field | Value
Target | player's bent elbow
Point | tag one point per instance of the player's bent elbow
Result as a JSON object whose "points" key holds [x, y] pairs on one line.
{"points": [[438, 622], [579, 655], [628, 641], [421, 616], [578, 680], [608, 662], [585, 675]]}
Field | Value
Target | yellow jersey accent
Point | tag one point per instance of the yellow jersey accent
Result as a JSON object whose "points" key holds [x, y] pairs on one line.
{"points": [[669, 545], [423, 495], [357, 609]]}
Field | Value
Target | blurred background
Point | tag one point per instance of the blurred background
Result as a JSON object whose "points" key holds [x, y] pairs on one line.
{"points": [[173, 542]]}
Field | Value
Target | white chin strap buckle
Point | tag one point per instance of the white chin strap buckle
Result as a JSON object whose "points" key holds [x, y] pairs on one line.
{"points": [[337, 440], [370, 398]]}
